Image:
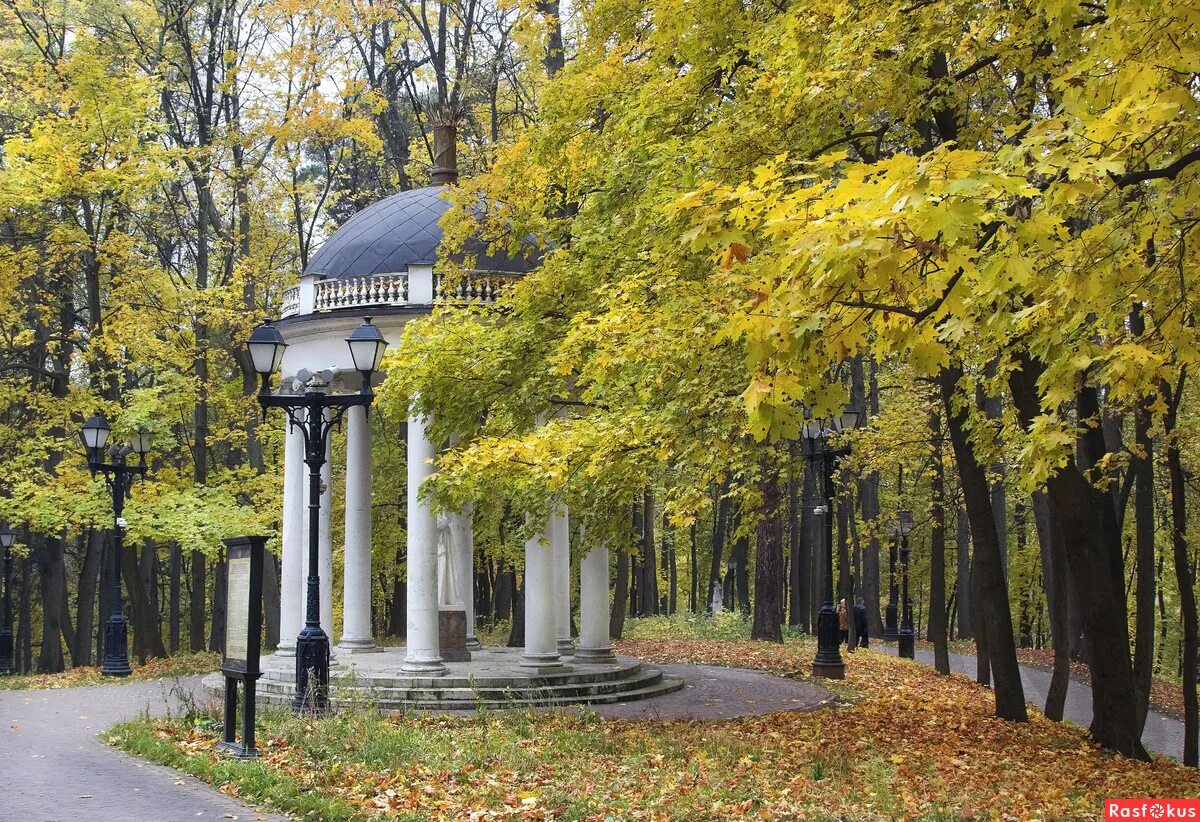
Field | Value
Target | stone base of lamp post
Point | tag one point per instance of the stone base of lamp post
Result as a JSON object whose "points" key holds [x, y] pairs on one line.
{"points": [[116, 643], [6, 651], [891, 629], [452, 635], [312, 671], [907, 643], [828, 662]]}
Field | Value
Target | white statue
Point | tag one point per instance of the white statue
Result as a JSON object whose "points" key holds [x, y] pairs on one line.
{"points": [[448, 583], [718, 599]]}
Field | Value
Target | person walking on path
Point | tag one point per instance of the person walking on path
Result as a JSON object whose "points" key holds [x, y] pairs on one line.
{"points": [[860, 622], [844, 623]]}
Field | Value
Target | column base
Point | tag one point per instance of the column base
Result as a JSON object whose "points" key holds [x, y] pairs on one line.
{"points": [[594, 655], [473, 643], [429, 666], [286, 648], [544, 663], [565, 647], [357, 646]]}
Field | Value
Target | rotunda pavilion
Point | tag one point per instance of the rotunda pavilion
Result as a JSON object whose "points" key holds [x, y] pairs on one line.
{"points": [[383, 263]]}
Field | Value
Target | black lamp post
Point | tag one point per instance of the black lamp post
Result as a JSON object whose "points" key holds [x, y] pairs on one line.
{"points": [[907, 644], [816, 435], [118, 476], [7, 538], [891, 631], [306, 411]]}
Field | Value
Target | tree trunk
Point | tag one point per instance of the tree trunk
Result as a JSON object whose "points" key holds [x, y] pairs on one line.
{"points": [[694, 574], [25, 628], [1186, 578], [516, 634], [962, 537], [53, 589], [1093, 551], [937, 553], [768, 563], [741, 572], [845, 579], [148, 575], [1054, 581], [147, 638], [993, 588], [672, 568], [648, 579], [868, 492], [198, 603], [216, 639], [85, 613], [616, 618], [720, 526], [506, 581], [398, 623], [983, 663], [1143, 507], [271, 602], [798, 561], [174, 572], [105, 597]]}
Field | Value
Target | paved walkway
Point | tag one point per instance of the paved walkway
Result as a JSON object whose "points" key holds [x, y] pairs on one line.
{"points": [[710, 692], [1163, 734], [54, 768]]}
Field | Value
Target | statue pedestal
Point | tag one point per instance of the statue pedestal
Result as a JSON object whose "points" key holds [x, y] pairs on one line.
{"points": [[452, 634]]}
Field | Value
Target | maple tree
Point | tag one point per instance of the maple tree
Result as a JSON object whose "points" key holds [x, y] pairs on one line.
{"points": [[742, 198]]}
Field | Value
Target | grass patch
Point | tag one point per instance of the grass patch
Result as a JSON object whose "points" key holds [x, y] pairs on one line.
{"points": [[255, 780], [167, 668]]}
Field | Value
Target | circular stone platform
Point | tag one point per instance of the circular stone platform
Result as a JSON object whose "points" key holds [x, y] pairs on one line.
{"points": [[493, 678]]}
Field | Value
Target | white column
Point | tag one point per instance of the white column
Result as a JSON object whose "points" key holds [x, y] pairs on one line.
{"points": [[291, 586], [422, 654], [541, 648], [325, 543], [560, 537], [356, 571], [463, 529], [594, 643]]}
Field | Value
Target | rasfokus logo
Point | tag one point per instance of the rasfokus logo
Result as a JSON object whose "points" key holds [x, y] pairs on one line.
{"points": [[1152, 809]]}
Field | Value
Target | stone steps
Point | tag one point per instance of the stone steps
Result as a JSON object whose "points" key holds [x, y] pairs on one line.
{"points": [[460, 693], [580, 674]]}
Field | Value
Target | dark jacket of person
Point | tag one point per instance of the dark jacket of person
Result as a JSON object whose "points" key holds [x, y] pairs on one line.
{"points": [[860, 619]]}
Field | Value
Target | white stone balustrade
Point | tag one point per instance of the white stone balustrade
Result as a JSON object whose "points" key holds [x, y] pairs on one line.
{"points": [[291, 302], [473, 288], [315, 295], [360, 292]]}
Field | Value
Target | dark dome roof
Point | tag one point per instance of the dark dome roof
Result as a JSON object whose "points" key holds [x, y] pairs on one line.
{"points": [[396, 232]]}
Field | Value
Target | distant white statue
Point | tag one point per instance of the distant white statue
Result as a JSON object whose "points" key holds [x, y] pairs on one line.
{"points": [[448, 583], [718, 600]]}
